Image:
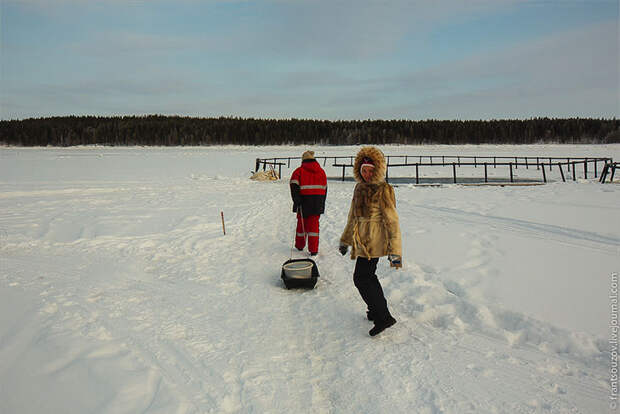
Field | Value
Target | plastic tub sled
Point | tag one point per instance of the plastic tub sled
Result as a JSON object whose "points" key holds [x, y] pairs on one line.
{"points": [[300, 273]]}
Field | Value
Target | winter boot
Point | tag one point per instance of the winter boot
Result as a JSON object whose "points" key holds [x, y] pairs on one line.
{"points": [[381, 326], [370, 315]]}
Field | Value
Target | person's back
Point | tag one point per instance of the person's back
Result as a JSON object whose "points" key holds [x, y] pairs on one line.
{"points": [[309, 191]]}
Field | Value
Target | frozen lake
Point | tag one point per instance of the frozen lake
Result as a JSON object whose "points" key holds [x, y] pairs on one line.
{"points": [[119, 292]]}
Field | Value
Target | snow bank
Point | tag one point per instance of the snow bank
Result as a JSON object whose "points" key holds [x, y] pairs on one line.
{"points": [[119, 292]]}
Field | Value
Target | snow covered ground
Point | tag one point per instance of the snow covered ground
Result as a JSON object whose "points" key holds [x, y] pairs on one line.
{"points": [[120, 294]]}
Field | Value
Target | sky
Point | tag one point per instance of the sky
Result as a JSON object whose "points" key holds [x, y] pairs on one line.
{"points": [[310, 59]]}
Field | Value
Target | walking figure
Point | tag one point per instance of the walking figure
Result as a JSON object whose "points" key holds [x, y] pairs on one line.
{"points": [[372, 231], [308, 190]]}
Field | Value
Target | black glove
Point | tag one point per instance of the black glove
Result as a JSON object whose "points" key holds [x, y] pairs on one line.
{"points": [[343, 249], [295, 208]]}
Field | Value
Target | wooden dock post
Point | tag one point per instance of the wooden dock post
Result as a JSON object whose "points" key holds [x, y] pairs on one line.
{"points": [[604, 172], [595, 165]]}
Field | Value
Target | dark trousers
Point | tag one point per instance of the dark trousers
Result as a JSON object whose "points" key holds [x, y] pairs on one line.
{"points": [[369, 287]]}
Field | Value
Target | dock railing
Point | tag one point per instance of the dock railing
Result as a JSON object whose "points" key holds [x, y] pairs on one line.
{"points": [[586, 165]]}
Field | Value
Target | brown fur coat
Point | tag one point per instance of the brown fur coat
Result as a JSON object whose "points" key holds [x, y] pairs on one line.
{"points": [[372, 228]]}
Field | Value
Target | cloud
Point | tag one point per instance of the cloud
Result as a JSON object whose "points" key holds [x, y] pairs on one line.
{"points": [[573, 73], [320, 59], [130, 47], [569, 74], [129, 94], [328, 30], [356, 30], [127, 43]]}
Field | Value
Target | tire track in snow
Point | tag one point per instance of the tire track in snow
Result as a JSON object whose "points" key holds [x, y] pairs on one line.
{"points": [[565, 235]]}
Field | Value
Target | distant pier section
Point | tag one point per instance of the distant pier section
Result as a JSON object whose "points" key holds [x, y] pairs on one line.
{"points": [[466, 169]]}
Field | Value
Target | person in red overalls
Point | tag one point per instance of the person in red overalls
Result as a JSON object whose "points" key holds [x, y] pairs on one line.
{"points": [[308, 190]]}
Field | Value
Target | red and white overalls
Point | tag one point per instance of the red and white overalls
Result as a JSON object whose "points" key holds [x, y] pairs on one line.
{"points": [[309, 190]]}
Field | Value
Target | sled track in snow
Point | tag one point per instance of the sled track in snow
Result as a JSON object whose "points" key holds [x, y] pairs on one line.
{"points": [[559, 234]]}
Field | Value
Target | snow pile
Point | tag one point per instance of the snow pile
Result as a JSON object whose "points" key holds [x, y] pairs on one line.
{"points": [[119, 291], [269, 175]]}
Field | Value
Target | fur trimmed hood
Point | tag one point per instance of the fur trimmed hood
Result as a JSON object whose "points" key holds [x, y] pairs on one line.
{"points": [[378, 159]]}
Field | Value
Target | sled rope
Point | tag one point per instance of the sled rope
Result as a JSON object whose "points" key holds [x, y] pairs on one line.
{"points": [[303, 227]]}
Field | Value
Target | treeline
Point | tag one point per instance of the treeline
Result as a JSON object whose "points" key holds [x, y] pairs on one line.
{"points": [[181, 131]]}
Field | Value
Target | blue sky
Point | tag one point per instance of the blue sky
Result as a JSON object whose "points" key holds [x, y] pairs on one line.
{"points": [[318, 59]]}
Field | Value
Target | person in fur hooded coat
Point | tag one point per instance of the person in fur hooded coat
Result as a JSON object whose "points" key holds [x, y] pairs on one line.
{"points": [[372, 231]]}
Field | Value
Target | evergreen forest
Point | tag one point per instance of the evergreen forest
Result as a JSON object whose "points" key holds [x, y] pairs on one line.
{"points": [[159, 130]]}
